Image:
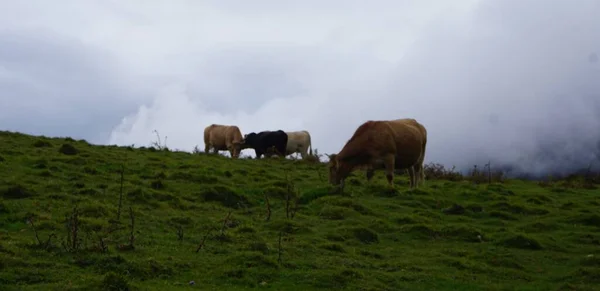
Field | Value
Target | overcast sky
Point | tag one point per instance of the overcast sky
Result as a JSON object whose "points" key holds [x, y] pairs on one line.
{"points": [[514, 81]]}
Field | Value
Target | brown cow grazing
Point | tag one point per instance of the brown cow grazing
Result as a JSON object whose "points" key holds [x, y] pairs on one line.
{"points": [[397, 144], [418, 169], [223, 138]]}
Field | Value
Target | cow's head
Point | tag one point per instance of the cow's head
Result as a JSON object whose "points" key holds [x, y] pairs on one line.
{"points": [[236, 147], [338, 170], [249, 140]]}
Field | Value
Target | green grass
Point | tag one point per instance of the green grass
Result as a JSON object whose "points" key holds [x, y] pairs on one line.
{"points": [[517, 235]]}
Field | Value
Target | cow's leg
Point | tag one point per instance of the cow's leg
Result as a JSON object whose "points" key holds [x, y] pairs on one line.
{"points": [[304, 153], [281, 151], [233, 153], [206, 148], [370, 174], [412, 177], [258, 153], [389, 169], [417, 173], [420, 174]]}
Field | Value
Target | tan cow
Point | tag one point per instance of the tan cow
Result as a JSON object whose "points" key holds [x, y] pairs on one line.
{"points": [[397, 144], [223, 138], [298, 142], [418, 169]]}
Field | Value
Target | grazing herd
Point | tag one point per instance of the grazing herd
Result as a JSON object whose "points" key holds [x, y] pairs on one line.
{"points": [[391, 145], [229, 138]]}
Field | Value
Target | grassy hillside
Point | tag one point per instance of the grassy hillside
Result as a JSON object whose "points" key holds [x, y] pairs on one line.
{"points": [[204, 219]]}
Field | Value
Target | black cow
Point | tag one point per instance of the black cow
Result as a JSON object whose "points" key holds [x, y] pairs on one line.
{"points": [[265, 141]]}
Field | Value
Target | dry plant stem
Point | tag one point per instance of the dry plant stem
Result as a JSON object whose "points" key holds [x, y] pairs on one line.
{"points": [[179, 233], [121, 193], [37, 238], [489, 166], [203, 241], [72, 226], [131, 236], [225, 223], [268, 207], [279, 250]]}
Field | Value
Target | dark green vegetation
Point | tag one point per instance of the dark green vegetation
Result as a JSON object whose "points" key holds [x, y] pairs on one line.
{"points": [[204, 219]]}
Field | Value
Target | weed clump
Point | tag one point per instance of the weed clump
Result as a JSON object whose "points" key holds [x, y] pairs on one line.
{"points": [[289, 226], [405, 220], [114, 282], [157, 185], [502, 215], [306, 198], [462, 233], [474, 208], [439, 172], [589, 220], [455, 209], [521, 242], [335, 212], [276, 192], [68, 149], [252, 260], [42, 144], [517, 209], [365, 235], [334, 247], [15, 192], [259, 246], [224, 195]]}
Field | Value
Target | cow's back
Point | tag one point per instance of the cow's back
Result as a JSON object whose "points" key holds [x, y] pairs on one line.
{"points": [[370, 140], [233, 134], [419, 126], [215, 135], [297, 139], [208, 132], [408, 142]]}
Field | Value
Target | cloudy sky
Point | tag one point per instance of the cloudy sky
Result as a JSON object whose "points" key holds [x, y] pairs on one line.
{"points": [[512, 81]]}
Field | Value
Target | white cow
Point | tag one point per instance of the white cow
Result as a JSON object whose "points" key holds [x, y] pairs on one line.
{"points": [[298, 142]]}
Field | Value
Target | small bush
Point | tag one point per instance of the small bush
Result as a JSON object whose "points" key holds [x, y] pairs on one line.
{"points": [[42, 144], [15, 192], [334, 247], [224, 195], [365, 235], [157, 185], [439, 172], [68, 149], [521, 242], [114, 282]]}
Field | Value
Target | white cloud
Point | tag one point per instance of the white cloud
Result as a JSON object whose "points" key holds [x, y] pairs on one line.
{"points": [[510, 81]]}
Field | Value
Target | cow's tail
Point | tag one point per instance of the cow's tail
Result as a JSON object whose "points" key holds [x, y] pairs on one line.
{"points": [[309, 145]]}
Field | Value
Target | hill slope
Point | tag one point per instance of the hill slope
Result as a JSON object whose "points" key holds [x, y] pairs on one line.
{"points": [[512, 236]]}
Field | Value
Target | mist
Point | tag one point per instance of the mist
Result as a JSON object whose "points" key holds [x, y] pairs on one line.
{"points": [[514, 83]]}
